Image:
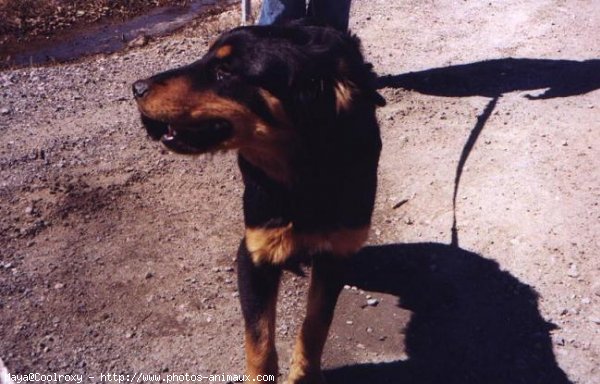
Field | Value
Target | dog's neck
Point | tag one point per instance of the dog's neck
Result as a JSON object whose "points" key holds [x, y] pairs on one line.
{"points": [[275, 162]]}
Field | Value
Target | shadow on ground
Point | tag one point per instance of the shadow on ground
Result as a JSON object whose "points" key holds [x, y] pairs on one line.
{"points": [[472, 323], [492, 78]]}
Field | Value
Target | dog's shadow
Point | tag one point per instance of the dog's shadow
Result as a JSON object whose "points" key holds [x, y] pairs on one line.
{"points": [[493, 78], [471, 323]]}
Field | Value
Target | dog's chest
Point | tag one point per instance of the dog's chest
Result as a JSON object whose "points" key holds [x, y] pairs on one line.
{"points": [[279, 244]]}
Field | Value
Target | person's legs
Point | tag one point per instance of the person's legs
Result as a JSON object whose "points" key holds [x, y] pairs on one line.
{"points": [[335, 13], [274, 11]]}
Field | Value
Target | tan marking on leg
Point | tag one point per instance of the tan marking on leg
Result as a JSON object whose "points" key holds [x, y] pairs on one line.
{"points": [[276, 245], [270, 245], [348, 241], [322, 298], [261, 355], [306, 358]]}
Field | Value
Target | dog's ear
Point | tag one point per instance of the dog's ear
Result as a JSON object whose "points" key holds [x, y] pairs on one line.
{"points": [[345, 91], [340, 88], [336, 77]]}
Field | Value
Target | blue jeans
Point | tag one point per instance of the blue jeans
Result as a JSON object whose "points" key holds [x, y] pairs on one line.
{"points": [[330, 12]]}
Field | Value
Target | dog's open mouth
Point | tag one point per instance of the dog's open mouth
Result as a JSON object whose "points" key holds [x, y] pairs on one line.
{"points": [[190, 137]]}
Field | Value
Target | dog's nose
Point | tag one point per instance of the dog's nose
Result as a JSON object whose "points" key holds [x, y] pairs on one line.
{"points": [[140, 88]]}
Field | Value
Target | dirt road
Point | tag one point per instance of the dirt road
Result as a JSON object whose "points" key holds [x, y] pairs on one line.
{"points": [[118, 257]]}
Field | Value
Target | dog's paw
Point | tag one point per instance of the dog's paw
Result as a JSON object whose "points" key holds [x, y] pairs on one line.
{"points": [[300, 377]]}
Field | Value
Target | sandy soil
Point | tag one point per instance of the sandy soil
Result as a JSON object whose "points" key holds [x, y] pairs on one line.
{"points": [[118, 257]]}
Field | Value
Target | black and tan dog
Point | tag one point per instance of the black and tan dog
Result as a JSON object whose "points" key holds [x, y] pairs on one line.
{"points": [[298, 104]]}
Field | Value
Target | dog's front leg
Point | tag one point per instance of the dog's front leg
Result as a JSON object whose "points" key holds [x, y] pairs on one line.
{"points": [[325, 285], [258, 286]]}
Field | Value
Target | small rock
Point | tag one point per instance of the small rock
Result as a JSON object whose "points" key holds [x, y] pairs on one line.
{"points": [[149, 275], [574, 311], [29, 210], [4, 111], [138, 42], [59, 286], [360, 346], [400, 203], [372, 302], [594, 319], [349, 322], [573, 271]]}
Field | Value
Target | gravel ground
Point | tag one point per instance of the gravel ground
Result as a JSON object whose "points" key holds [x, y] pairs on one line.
{"points": [[24, 20], [118, 257]]}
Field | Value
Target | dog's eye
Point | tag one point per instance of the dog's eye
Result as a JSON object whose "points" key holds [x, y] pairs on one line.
{"points": [[222, 74]]}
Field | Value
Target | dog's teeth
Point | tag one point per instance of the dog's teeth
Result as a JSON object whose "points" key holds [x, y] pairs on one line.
{"points": [[168, 137]]}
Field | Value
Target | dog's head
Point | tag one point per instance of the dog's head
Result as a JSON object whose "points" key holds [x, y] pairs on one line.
{"points": [[256, 87]]}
